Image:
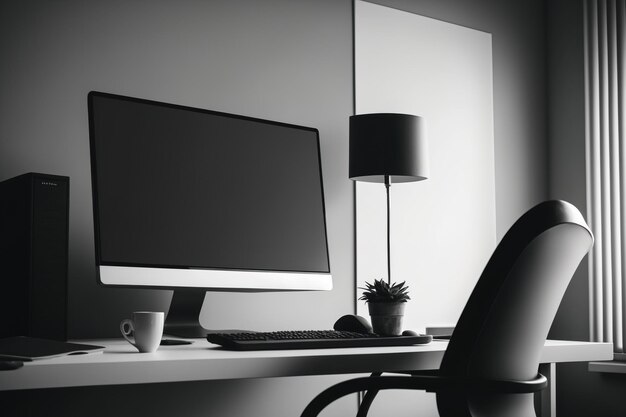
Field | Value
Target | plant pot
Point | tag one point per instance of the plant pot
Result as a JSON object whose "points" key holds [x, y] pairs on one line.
{"points": [[387, 318]]}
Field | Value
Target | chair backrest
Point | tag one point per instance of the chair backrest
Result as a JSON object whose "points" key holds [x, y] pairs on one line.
{"points": [[504, 325]]}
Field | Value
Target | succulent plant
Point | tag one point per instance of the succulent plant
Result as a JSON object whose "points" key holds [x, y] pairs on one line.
{"points": [[382, 292]]}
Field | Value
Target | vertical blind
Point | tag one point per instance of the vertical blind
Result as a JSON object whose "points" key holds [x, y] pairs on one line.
{"points": [[605, 88]]}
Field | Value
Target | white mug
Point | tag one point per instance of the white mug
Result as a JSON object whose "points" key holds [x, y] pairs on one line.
{"points": [[146, 327]]}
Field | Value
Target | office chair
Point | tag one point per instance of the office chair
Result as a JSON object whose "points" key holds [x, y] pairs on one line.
{"points": [[490, 366]]}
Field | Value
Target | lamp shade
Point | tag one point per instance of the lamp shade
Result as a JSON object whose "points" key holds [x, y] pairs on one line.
{"points": [[389, 144]]}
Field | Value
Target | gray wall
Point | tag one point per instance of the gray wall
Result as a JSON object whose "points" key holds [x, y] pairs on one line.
{"points": [[278, 59], [579, 392], [282, 60]]}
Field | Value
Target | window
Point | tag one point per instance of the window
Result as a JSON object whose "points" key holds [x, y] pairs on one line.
{"points": [[605, 84]]}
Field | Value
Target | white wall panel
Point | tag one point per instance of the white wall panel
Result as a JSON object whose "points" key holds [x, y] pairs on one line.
{"points": [[443, 229]]}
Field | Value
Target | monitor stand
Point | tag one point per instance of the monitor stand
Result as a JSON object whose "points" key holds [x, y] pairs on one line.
{"points": [[183, 318]]}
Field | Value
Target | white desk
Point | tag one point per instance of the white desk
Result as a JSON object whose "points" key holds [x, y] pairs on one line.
{"points": [[121, 364]]}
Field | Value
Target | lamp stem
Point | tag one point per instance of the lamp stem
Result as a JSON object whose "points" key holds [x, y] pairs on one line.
{"points": [[387, 186]]}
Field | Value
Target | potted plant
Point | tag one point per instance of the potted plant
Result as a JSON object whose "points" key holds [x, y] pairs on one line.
{"points": [[386, 304]]}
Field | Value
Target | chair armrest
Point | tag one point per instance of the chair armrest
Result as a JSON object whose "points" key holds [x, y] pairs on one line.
{"points": [[428, 381], [472, 384]]}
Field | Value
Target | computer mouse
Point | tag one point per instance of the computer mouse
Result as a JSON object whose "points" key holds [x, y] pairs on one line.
{"points": [[410, 333], [353, 323]]}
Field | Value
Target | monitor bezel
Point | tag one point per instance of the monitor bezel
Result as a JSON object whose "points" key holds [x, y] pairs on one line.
{"points": [[135, 275]]}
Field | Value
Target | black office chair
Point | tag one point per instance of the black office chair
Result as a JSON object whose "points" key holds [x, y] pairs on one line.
{"points": [[490, 366]]}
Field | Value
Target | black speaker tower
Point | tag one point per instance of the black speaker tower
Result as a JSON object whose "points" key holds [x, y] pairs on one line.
{"points": [[34, 217]]}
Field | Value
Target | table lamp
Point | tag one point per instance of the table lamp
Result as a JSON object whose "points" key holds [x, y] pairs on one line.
{"points": [[387, 148]]}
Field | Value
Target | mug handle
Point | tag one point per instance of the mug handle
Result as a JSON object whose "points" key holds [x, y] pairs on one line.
{"points": [[129, 332]]}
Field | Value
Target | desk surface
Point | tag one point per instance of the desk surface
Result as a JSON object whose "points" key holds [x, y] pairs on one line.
{"points": [[121, 364]]}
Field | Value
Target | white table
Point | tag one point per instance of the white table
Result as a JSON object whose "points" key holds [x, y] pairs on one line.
{"points": [[121, 364]]}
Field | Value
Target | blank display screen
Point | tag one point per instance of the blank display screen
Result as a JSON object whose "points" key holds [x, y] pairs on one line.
{"points": [[189, 188]]}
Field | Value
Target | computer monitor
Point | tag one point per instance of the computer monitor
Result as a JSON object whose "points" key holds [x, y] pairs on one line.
{"points": [[196, 200]]}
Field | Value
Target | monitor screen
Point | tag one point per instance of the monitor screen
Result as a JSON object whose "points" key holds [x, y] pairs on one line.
{"points": [[185, 197]]}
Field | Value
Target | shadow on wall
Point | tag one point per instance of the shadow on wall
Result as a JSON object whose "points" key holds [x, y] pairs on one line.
{"points": [[583, 397]]}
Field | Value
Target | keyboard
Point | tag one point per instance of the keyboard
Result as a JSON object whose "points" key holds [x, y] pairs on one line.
{"points": [[310, 339]]}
